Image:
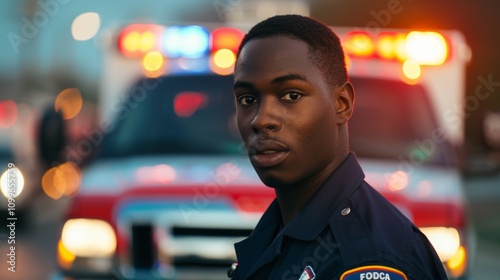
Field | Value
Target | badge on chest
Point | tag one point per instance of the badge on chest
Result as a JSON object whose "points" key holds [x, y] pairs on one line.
{"points": [[373, 272]]}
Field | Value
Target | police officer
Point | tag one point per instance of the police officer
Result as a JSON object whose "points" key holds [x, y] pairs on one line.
{"points": [[293, 101]]}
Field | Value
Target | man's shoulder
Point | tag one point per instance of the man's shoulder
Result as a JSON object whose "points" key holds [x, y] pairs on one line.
{"points": [[373, 231], [368, 224], [376, 210], [391, 230]]}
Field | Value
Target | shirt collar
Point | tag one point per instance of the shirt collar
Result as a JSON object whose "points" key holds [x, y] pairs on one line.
{"points": [[259, 242]]}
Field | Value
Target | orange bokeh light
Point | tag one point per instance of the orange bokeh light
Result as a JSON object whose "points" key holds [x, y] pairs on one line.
{"points": [[69, 102], [64, 179]]}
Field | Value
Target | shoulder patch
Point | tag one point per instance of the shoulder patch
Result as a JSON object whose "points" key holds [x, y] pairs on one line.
{"points": [[373, 272]]}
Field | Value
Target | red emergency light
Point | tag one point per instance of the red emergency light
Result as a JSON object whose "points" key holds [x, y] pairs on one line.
{"points": [[226, 38], [136, 40], [359, 44]]}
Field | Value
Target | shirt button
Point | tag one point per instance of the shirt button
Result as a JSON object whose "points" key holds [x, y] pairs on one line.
{"points": [[345, 211]]}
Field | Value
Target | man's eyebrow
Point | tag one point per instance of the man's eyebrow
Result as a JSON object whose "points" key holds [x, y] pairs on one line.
{"points": [[278, 80], [240, 84], [289, 77]]}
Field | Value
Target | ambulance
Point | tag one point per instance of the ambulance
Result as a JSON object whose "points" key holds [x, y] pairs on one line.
{"points": [[171, 189]]}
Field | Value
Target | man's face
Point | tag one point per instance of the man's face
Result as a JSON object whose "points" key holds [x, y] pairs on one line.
{"points": [[286, 111]]}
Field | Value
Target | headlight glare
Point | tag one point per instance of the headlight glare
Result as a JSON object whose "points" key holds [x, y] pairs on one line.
{"points": [[446, 241], [457, 265], [89, 238], [12, 182]]}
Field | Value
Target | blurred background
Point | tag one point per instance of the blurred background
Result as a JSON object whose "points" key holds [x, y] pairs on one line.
{"points": [[52, 53]]}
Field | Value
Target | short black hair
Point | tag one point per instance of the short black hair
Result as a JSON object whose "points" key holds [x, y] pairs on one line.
{"points": [[325, 49]]}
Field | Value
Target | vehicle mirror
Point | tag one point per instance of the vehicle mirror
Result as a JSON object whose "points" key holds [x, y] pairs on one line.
{"points": [[51, 137], [491, 129]]}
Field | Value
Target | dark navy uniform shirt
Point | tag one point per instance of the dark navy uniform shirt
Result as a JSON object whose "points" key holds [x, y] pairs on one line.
{"points": [[346, 231]]}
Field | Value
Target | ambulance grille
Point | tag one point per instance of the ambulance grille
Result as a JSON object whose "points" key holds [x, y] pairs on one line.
{"points": [[143, 250]]}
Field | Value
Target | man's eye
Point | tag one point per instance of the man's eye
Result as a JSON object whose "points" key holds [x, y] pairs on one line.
{"points": [[291, 96], [247, 100]]}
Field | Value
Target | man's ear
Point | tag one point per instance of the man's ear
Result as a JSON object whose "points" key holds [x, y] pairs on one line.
{"points": [[345, 102]]}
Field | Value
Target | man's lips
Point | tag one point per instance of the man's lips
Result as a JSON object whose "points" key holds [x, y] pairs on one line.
{"points": [[268, 153]]}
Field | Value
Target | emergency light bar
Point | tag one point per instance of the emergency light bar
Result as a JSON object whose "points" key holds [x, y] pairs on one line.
{"points": [[412, 49], [422, 48], [176, 41], [148, 41]]}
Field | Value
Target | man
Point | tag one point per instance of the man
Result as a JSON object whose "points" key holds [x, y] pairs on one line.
{"points": [[293, 101]]}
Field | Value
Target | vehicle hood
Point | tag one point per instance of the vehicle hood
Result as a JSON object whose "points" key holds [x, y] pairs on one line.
{"points": [[418, 183], [115, 175], [415, 183]]}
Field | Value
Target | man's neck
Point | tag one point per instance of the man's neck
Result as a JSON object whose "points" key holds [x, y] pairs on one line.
{"points": [[293, 199]]}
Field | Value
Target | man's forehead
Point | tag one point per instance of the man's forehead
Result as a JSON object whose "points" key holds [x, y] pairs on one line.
{"points": [[272, 52], [270, 41]]}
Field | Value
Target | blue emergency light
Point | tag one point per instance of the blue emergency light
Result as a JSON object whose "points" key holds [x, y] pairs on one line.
{"points": [[185, 41]]}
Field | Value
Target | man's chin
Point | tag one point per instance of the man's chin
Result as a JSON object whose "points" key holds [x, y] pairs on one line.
{"points": [[276, 176], [273, 181]]}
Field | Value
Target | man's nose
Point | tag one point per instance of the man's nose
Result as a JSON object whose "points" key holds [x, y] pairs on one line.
{"points": [[268, 116]]}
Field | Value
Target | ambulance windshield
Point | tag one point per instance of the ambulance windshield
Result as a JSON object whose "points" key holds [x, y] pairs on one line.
{"points": [[195, 115]]}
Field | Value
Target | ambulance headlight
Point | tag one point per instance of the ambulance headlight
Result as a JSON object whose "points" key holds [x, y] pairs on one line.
{"points": [[88, 238], [446, 241], [12, 182]]}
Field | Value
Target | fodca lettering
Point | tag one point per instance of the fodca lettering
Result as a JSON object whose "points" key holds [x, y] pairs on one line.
{"points": [[374, 276]]}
